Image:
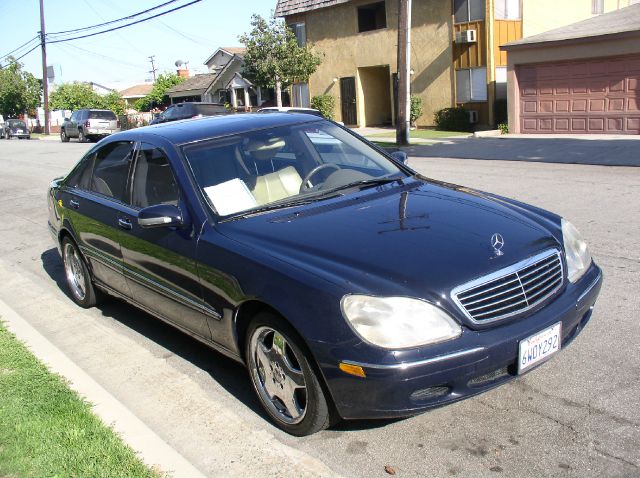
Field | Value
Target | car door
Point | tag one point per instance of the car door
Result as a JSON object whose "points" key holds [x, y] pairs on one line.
{"points": [[93, 198], [71, 128], [159, 262]]}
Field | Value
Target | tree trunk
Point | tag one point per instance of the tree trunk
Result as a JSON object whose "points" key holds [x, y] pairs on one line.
{"points": [[278, 93]]}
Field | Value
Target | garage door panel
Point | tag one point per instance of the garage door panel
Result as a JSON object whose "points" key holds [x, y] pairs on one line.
{"points": [[589, 96]]}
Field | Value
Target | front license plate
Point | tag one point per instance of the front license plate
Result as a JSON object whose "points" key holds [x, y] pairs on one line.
{"points": [[539, 347]]}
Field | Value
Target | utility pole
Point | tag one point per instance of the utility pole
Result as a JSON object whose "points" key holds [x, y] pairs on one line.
{"points": [[153, 67], [45, 82], [403, 115]]}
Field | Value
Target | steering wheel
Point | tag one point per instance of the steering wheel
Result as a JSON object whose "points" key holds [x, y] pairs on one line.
{"points": [[313, 172]]}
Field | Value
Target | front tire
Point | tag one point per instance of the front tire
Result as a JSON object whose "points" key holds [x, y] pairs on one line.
{"points": [[77, 275], [63, 136], [283, 377]]}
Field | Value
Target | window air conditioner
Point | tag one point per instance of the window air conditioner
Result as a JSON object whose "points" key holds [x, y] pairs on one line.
{"points": [[473, 116], [466, 36]]}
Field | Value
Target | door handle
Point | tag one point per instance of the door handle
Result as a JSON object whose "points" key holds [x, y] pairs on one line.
{"points": [[74, 204], [124, 223]]}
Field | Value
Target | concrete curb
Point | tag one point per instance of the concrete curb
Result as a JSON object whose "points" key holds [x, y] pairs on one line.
{"points": [[151, 449]]}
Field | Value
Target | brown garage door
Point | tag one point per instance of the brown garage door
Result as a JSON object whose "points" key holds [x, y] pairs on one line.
{"points": [[593, 96]]}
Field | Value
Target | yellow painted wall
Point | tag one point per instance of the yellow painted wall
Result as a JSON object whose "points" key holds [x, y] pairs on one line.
{"points": [[505, 31], [374, 95], [542, 15], [333, 32]]}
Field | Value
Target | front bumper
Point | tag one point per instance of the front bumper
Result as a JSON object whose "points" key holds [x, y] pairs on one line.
{"points": [[20, 135], [474, 363]]}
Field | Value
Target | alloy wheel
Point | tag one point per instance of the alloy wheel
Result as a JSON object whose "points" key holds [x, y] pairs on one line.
{"points": [[278, 376], [74, 271]]}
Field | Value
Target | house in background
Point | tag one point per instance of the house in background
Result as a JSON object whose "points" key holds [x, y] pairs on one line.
{"points": [[455, 51], [581, 78], [135, 92], [223, 83]]}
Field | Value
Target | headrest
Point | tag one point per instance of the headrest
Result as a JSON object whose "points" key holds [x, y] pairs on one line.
{"points": [[264, 148]]}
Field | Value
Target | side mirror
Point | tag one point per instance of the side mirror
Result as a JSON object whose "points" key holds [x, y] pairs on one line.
{"points": [[400, 156], [160, 215], [67, 119]]}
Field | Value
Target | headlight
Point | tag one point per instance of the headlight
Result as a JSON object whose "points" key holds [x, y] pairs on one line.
{"points": [[398, 322], [576, 251]]}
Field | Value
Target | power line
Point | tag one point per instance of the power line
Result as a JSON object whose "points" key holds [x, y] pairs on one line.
{"points": [[22, 56], [114, 21], [20, 47], [127, 25]]}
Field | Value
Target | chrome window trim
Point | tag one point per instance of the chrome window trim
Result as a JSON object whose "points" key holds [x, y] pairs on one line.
{"points": [[406, 365], [512, 269]]}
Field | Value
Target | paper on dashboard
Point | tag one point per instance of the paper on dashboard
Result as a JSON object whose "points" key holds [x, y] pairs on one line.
{"points": [[231, 197]]}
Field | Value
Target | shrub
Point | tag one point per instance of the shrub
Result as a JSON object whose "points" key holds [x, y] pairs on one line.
{"points": [[325, 104], [504, 128], [416, 109], [452, 119]]}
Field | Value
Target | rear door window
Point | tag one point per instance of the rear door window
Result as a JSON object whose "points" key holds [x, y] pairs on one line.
{"points": [[111, 170], [207, 110]]}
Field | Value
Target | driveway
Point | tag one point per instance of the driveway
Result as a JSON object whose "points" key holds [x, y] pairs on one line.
{"points": [[594, 151]]}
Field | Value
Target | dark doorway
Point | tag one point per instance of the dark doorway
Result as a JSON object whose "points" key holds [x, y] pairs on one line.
{"points": [[348, 95]]}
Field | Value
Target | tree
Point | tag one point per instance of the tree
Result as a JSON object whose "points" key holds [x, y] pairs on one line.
{"points": [[19, 90], [158, 95], [73, 96], [273, 58]]}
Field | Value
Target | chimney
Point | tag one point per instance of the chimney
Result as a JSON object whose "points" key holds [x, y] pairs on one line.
{"points": [[183, 72]]}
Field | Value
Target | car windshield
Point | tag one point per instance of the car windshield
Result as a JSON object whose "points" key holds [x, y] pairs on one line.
{"points": [[107, 115], [285, 166], [16, 124]]}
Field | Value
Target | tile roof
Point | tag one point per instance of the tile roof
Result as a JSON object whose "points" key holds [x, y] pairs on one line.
{"points": [[289, 7], [197, 82], [619, 21], [137, 90]]}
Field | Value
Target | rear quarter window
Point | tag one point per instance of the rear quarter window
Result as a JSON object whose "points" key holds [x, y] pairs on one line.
{"points": [[108, 115], [209, 109]]}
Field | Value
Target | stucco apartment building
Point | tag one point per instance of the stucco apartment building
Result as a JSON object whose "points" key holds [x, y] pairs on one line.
{"points": [[455, 51]]}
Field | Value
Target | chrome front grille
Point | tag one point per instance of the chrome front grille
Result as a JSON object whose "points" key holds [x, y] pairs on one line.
{"points": [[512, 290]]}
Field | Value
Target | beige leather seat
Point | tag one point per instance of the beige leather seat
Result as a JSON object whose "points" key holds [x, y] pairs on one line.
{"points": [[279, 185]]}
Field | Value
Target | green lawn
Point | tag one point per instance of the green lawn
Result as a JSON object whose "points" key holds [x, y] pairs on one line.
{"points": [[46, 430], [423, 134]]}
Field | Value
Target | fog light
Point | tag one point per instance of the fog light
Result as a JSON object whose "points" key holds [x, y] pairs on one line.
{"points": [[352, 369]]}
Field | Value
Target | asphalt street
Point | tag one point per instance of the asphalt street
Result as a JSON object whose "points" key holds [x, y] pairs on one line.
{"points": [[576, 416]]}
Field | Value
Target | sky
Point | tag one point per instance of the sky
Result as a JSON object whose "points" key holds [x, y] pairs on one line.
{"points": [[120, 59]]}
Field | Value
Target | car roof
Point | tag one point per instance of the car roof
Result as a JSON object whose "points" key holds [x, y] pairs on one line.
{"points": [[191, 130]]}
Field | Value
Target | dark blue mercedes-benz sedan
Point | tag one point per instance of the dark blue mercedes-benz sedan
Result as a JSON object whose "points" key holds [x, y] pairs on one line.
{"points": [[349, 285]]}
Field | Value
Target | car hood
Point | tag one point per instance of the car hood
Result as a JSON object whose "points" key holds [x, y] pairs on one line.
{"points": [[417, 239]]}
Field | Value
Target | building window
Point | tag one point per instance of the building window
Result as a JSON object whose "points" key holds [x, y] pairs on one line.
{"points": [[507, 9], [300, 95], [300, 31], [468, 10], [471, 85], [224, 97], [597, 7], [372, 17]]}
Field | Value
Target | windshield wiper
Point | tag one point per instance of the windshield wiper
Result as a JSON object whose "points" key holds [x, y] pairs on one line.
{"points": [[278, 205], [365, 182]]}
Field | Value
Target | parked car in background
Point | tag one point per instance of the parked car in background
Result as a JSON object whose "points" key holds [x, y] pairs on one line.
{"points": [[89, 125], [348, 284], [182, 111], [15, 128], [293, 109], [1, 121]]}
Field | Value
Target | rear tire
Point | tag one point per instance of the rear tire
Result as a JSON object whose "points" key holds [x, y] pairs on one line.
{"points": [[81, 137], [283, 377], [77, 275]]}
